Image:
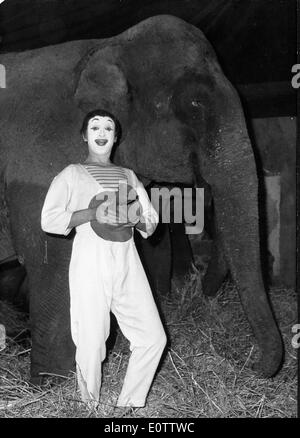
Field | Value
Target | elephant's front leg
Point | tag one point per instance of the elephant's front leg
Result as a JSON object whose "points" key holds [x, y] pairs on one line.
{"points": [[182, 260], [216, 270], [53, 350], [155, 253]]}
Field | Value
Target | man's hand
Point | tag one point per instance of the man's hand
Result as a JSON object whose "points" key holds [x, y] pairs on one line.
{"points": [[124, 215], [130, 214]]}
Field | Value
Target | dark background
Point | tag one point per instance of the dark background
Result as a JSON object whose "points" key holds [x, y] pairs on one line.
{"points": [[255, 40]]}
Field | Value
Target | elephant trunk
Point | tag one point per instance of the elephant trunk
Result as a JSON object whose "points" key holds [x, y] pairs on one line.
{"points": [[231, 172], [236, 215]]}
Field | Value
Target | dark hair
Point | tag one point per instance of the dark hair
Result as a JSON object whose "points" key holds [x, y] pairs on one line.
{"points": [[101, 113]]}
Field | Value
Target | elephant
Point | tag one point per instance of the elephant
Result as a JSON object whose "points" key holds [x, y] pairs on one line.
{"points": [[13, 285], [182, 123], [169, 238]]}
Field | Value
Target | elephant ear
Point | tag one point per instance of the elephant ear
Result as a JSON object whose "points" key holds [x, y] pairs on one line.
{"points": [[103, 84]]}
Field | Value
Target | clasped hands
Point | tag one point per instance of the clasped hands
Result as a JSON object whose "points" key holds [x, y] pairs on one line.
{"points": [[122, 215]]}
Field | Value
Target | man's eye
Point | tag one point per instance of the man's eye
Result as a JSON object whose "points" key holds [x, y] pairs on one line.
{"points": [[108, 128], [95, 128]]}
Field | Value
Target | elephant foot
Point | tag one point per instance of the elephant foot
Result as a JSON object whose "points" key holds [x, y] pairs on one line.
{"points": [[37, 381], [210, 290], [40, 381], [180, 281], [211, 284]]}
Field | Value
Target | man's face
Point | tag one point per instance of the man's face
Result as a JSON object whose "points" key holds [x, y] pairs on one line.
{"points": [[100, 135]]}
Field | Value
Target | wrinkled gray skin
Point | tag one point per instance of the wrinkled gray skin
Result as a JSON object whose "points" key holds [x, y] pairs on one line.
{"points": [[182, 121]]}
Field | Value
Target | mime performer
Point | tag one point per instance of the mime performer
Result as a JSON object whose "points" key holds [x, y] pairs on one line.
{"points": [[105, 272]]}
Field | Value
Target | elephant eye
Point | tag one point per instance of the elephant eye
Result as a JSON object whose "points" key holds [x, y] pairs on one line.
{"points": [[189, 104], [196, 103], [196, 108]]}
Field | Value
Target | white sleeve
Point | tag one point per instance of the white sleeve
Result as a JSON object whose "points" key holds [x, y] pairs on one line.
{"points": [[149, 214], [56, 216]]}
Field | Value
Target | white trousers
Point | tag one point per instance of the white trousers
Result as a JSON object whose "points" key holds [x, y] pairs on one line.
{"points": [[108, 276]]}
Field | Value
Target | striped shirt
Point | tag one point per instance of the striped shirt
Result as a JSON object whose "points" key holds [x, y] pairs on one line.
{"points": [[108, 176]]}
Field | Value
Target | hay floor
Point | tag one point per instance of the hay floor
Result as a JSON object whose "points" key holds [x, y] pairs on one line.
{"points": [[205, 372]]}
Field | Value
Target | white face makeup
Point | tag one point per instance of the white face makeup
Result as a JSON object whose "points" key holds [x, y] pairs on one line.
{"points": [[100, 135]]}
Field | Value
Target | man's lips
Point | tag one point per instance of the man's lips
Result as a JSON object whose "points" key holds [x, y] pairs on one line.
{"points": [[101, 142]]}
